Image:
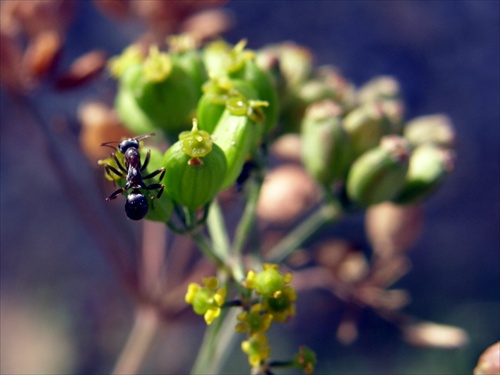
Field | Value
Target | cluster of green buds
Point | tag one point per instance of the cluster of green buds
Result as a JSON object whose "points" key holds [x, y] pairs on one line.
{"points": [[219, 88], [356, 143], [265, 297]]}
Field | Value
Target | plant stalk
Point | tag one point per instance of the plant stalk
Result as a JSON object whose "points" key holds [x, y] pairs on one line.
{"points": [[143, 332], [324, 215]]}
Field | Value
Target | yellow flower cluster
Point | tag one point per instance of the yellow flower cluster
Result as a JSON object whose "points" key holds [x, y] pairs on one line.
{"points": [[257, 348], [305, 360], [268, 298], [208, 299], [275, 303], [255, 320]]}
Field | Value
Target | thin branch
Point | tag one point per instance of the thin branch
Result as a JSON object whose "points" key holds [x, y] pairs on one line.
{"points": [[325, 214], [143, 332]]}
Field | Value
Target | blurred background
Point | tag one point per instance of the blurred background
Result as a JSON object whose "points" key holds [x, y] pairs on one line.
{"points": [[62, 308]]}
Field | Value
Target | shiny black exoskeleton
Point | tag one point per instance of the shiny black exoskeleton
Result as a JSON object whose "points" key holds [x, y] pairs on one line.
{"points": [[136, 205]]}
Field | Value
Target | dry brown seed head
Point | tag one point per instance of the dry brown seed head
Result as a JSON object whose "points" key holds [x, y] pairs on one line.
{"points": [[42, 53], [82, 70], [287, 192], [393, 228]]}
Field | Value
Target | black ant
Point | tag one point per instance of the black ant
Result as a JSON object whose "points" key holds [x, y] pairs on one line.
{"points": [[136, 205]]}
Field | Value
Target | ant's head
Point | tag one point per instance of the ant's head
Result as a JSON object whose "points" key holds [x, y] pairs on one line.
{"points": [[128, 143], [124, 145]]}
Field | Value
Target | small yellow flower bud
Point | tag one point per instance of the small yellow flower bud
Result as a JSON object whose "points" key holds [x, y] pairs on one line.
{"points": [[193, 288], [256, 348], [211, 314], [157, 66]]}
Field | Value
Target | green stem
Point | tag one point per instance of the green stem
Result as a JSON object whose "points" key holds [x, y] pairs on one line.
{"points": [[218, 231], [218, 343], [247, 220], [139, 341], [281, 364], [207, 249], [313, 224], [190, 216]]}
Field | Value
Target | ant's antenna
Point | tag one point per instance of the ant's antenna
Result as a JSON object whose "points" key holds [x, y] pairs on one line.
{"points": [[138, 138]]}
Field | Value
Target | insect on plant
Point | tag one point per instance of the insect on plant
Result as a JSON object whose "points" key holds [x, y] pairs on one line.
{"points": [[136, 205]]}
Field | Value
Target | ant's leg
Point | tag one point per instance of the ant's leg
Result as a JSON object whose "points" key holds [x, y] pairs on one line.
{"points": [[146, 161], [118, 192], [108, 168], [153, 174], [115, 194], [120, 166], [160, 192], [156, 186]]}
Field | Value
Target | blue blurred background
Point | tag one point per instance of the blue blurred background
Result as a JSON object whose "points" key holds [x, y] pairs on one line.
{"points": [[446, 56]]}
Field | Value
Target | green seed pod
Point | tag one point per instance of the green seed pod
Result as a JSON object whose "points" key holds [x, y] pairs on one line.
{"points": [[379, 88], [130, 56], [161, 90], [366, 125], [324, 142], [379, 174], [160, 209], [294, 62], [216, 56], [184, 53], [263, 84], [195, 168], [385, 91], [436, 129], [236, 134], [268, 282], [429, 165], [131, 114], [217, 92], [327, 83]]}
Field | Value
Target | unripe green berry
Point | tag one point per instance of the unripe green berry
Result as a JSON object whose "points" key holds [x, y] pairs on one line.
{"points": [[436, 129], [294, 62], [184, 53], [325, 147], [201, 302], [217, 92], [366, 125], [429, 166], [263, 84], [156, 93], [379, 174], [194, 169], [379, 88], [235, 135], [268, 282]]}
